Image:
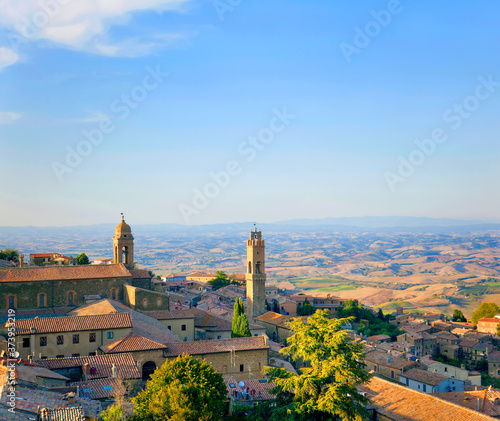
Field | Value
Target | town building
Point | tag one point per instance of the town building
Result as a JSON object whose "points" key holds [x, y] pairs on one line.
{"points": [[387, 366], [429, 382], [256, 275], [488, 325]]}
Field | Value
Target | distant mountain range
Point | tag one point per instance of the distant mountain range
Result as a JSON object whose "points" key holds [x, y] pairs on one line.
{"points": [[346, 224]]}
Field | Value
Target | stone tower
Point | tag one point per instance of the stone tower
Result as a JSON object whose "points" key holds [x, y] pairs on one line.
{"points": [[256, 275], [123, 244]]}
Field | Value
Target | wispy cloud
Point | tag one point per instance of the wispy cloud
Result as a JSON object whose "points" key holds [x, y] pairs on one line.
{"points": [[85, 25], [7, 57], [7, 117]]}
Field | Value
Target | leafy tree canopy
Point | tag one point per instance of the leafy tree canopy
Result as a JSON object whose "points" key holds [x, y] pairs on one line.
{"points": [[458, 316], [306, 309], [326, 388], [220, 281], [82, 259], [9, 254], [185, 389], [485, 310]]}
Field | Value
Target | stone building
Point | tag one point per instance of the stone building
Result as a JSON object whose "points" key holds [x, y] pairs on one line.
{"points": [[256, 275], [123, 244]]}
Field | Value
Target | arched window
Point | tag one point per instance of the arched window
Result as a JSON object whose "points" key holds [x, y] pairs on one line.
{"points": [[145, 302], [11, 301], [257, 267], [71, 298], [42, 300], [249, 267], [125, 255], [158, 302]]}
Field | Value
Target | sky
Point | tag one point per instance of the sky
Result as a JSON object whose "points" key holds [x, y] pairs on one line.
{"points": [[201, 111]]}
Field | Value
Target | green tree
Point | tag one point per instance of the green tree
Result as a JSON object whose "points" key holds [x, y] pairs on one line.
{"points": [[306, 309], [327, 386], [380, 315], [185, 389], [484, 310], [240, 326], [221, 280], [9, 254], [82, 259], [458, 316], [113, 413]]}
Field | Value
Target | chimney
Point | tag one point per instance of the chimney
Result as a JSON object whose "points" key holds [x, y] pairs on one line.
{"points": [[21, 260], [71, 399]]}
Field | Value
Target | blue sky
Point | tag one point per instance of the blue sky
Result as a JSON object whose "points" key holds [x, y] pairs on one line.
{"points": [[357, 83]]}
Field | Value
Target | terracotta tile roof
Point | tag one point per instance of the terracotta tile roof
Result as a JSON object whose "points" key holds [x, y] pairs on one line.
{"points": [[168, 315], [488, 319], [494, 357], [201, 275], [482, 400], [73, 323], [140, 274], [423, 376], [468, 343], [401, 403], [274, 318], [125, 364], [38, 312], [30, 400], [446, 335], [383, 358], [30, 374], [130, 343], [101, 388], [207, 321], [250, 387], [62, 414], [215, 346], [62, 273]]}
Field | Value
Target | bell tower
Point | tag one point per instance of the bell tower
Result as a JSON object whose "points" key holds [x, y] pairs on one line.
{"points": [[256, 275], [123, 244]]}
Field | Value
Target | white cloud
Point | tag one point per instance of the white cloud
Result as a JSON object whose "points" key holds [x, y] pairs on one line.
{"points": [[7, 117], [84, 24], [7, 57]]}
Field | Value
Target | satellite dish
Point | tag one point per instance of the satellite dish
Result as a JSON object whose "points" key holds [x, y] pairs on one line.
{"points": [[241, 384]]}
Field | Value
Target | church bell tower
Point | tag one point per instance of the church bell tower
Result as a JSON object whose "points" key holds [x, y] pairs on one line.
{"points": [[256, 275], [123, 244]]}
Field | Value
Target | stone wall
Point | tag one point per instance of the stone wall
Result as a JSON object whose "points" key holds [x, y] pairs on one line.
{"points": [[143, 300]]}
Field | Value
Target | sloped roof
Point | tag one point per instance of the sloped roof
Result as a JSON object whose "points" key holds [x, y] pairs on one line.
{"points": [[426, 377], [215, 346], [401, 403], [384, 358], [63, 273], [125, 364], [140, 274], [101, 388], [172, 314], [131, 343], [73, 323], [62, 414], [29, 373], [483, 399], [251, 387]]}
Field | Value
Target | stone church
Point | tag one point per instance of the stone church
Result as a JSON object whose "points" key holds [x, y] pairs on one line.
{"points": [[57, 289]]}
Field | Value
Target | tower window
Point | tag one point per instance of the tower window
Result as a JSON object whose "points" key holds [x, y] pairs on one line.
{"points": [[42, 300], [71, 298], [257, 267], [249, 267], [11, 301]]}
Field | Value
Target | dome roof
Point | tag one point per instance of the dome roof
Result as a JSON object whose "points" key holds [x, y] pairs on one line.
{"points": [[123, 227]]}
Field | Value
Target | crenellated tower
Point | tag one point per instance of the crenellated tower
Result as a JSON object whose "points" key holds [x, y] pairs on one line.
{"points": [[256, 275]]}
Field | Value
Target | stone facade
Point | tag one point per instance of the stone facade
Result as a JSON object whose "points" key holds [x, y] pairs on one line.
{"points": [[123, 244], [143, 300], [256, 275]]}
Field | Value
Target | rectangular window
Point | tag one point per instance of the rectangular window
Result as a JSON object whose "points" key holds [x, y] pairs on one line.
{"points": [[59, 356], [183, 327], [76, 338], [26, 342], [60, 340], [375, 368], [109, 335], [41, 302], [169, 327], [242, 368], [75, 355], [91, 354], [392, 374], [92, 337], [43, 341], [425, 388]]}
